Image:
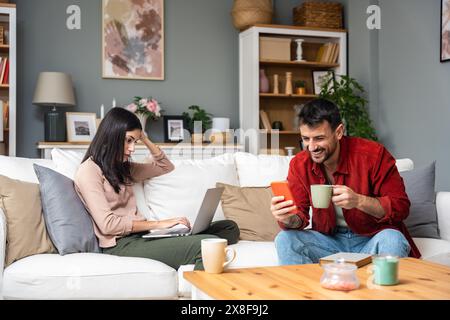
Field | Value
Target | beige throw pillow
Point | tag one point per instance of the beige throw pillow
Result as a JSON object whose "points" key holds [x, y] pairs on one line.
{"points": [[26, 232], [249, 207]]}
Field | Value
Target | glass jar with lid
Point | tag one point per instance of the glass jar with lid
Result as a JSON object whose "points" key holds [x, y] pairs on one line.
{"points": [[339, 276]]}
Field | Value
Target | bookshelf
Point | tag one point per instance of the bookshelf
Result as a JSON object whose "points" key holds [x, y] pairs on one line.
{"points": [[8, 79], [323, 49]]}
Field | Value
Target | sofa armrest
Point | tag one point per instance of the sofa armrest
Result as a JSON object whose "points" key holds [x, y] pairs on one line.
{"points": [[2, 247], [443, 212]]}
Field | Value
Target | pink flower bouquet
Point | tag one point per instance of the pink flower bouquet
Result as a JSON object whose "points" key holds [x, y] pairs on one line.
{"points": [[146, 106]]}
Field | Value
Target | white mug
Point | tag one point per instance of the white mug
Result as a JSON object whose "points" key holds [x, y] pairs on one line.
{"points": [[214, 253]]}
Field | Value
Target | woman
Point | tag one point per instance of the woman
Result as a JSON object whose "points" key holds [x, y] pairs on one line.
{"points": [[104, 183]]}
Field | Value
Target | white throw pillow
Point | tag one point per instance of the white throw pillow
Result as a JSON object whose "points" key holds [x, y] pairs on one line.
{"points": [[180, 192], [67, 161], [261, 170], [22, 168]]}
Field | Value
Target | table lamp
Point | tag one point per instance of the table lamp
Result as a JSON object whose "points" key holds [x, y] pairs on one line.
{"points": [[54, 89]]}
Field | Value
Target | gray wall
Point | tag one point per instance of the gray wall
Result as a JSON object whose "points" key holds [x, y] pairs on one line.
{"points": [[201, 60], [414, 108]]}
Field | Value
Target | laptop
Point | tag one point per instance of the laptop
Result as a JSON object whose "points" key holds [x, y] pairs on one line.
{"points": [[204, 218]]}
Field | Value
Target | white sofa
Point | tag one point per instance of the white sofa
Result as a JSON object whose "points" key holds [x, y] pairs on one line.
{"points": [[99, 276]]}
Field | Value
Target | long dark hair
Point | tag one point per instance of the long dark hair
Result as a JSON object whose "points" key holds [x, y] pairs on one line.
{"points": [[107, 147]]}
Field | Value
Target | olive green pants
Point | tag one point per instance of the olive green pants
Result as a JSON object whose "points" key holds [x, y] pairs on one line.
{"points": [[174, 251]]}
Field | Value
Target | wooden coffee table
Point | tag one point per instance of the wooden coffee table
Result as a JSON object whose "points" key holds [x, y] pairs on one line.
{"points": [[418, 280]]}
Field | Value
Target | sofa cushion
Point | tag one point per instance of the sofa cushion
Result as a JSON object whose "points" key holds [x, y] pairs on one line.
{"points": [[432, 247], [261, 170], [21, 204], [422, 220], [250, 209], [180, 192], [87, 276], [67, 163], [22, 168], [68, 223]]}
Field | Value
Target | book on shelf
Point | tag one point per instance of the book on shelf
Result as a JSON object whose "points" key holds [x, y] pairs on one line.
{"points": [[5, 117], [5, 79], [334, 58], [1, 121], [265, 120], [3, 68], [328, 53], [359, 259], [320, 53]]}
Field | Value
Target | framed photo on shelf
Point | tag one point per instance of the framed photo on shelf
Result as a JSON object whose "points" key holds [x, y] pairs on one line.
{"points": [[133, 39], [445, 30], [319, 77], [81, 127], [174, 127]]}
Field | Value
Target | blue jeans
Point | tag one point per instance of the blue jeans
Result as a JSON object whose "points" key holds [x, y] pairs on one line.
{"points": [[308, 246]]}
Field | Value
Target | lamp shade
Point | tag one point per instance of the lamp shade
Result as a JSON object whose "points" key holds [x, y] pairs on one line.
{"points": [[54, 88]]}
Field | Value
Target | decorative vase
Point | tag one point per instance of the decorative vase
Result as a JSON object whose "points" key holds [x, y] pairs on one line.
{"points": [[288, 87], [143, 119], [263, 82], [276, 89], [299, 49]]}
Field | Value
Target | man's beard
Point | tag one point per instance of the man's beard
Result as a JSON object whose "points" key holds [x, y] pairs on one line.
{"points": [[326, 155]]}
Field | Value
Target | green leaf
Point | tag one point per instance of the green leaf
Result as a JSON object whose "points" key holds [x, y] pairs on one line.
{"points": [[347, 94]]}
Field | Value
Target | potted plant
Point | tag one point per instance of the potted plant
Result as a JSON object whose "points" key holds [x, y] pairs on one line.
{"points": [[347, 94], [300, 87], [197, 114]]}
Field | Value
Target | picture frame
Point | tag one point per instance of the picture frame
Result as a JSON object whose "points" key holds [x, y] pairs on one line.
{"points": [[445, 31], [133, 39], [174, 127], [81, 127], [318, 77]]}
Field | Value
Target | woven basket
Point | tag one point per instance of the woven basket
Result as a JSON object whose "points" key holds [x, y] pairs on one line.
{"points": [[249, 12], [318, 14]]}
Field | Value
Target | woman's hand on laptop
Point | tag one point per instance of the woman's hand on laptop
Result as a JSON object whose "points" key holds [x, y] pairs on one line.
{"points": [[165, 224]]}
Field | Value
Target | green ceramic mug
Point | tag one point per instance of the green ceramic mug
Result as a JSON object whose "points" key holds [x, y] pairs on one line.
{"points": [[385, 270], [321, 195]]}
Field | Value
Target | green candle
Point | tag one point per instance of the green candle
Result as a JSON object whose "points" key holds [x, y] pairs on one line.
{"points": [[385, 270]]}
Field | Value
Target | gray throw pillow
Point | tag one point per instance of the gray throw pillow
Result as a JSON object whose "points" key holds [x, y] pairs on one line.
{"points": [[68, 223], [422, 220]]}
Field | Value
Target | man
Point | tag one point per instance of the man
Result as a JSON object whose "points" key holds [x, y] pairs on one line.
{"points": [[369, 202]]}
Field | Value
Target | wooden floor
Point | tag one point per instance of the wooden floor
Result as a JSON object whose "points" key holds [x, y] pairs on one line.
{"points": [[418, 280]]}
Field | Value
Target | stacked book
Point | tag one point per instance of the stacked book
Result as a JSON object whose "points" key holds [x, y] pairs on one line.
{"points": [[4, 70], [265, 120], [328, 53]]}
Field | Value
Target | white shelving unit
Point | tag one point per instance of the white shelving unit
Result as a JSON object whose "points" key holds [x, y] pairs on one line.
{"points": [[250, 99], [8, 92]]}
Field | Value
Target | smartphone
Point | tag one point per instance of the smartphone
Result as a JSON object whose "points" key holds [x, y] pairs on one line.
{"points": [[281, 188]]}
